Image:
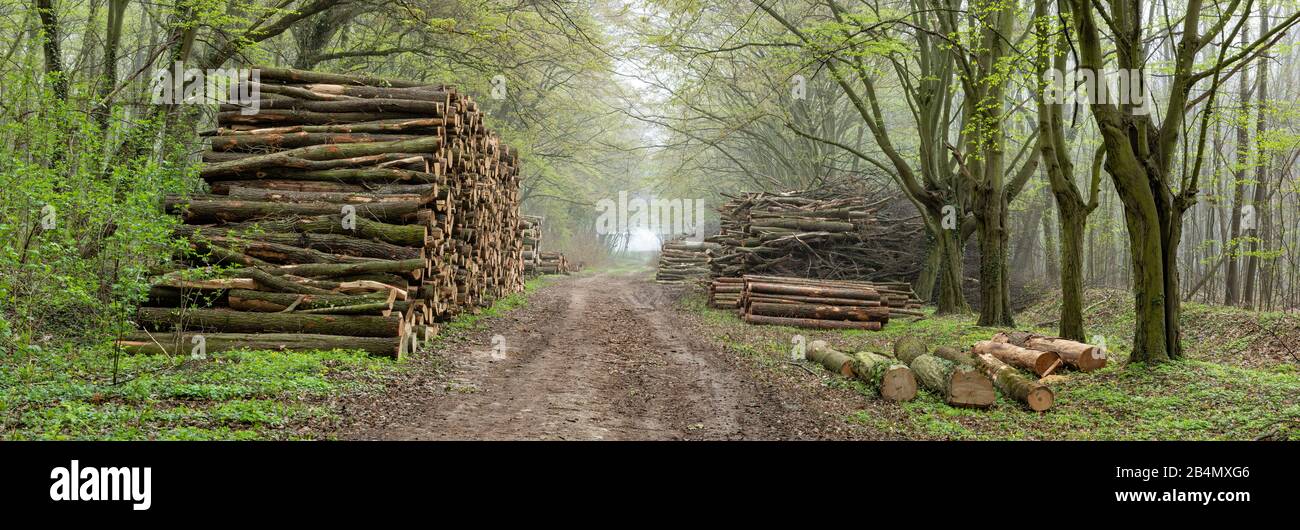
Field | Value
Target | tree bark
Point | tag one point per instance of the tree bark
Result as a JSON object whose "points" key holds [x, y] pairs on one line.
{"points": [[140, 342], [225, 320]]}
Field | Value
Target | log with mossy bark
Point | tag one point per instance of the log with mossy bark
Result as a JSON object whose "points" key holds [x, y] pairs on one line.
{"points": [[891, 379], [220, 209], [398, 234], [296, 158], [273, 302], [959, 385], [1037, 396], [226, 320], [830, 359], [167, 343], [329, 243]]}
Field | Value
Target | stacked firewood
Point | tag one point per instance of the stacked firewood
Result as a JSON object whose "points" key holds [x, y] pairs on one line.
{"points": [[808, 303], [553, 263], [680, 260], [346, 213], [818, 235], [531, 232]]}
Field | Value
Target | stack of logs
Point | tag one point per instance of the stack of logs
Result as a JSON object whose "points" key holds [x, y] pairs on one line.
{"points": [[680, 260], [348, 213], [818, 235], [819, 304], [531, 232], [553, 263]]}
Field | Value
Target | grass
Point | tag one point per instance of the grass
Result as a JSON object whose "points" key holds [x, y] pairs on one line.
{"points": [[1237, 382], [67, 392]]}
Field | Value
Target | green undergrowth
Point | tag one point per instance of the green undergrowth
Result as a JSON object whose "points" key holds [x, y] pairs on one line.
{"points": [[69, 392], [1236, 383]]}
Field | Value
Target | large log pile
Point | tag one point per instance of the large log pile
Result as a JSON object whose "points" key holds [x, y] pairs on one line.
{"points": [[346, 213], [817, 234], [808, 303], [680, 260]]}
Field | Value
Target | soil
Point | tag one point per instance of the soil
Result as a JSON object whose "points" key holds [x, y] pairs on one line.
{"points": [[595, 357]]}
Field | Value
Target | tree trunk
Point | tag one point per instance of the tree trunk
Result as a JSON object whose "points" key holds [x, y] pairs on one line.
{"points": [[1232, 293], [1073, 221], [51, 44], [952, 300], [1260, 200]]}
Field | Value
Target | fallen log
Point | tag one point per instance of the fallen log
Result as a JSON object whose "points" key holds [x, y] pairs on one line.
{"points": [[225, 320], [830, 359], [890, 379], [959, 385], [1037, 396], [820, 312], [811, 323], [1083, 357], [1039, 362], [141, 342]]}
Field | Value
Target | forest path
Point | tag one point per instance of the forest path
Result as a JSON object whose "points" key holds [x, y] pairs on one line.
{"points": [[594, 357]]}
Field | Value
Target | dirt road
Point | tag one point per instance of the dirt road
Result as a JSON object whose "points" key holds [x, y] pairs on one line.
{"points": [[598, 357]]}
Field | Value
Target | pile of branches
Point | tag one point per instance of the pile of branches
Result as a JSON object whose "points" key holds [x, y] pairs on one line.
{"points": [[680, 260], [818, 234], [348, 213]]}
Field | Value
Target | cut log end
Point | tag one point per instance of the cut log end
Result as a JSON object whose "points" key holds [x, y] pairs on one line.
{"points": [[898, 384], [1040, 399], [971, 389]]}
